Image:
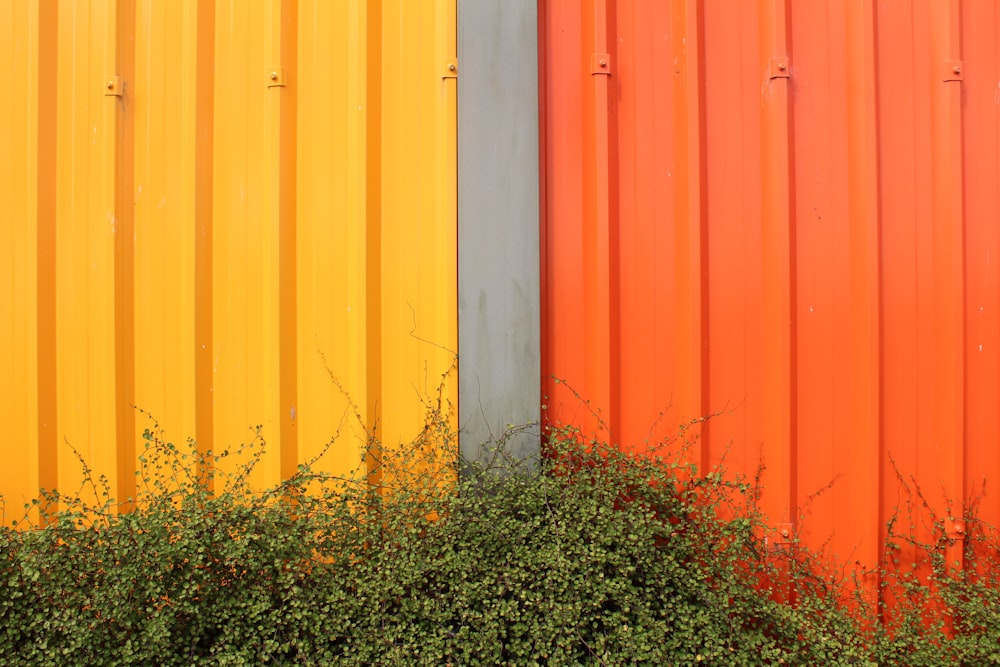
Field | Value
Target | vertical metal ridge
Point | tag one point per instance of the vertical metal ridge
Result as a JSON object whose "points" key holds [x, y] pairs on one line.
{"points": [[86, 232], [444, 313], [48, 98], [544, 159], [688, 215], [791, 352], [863, 194], [373, 235], [124, 277], [903, 208], [609, 90], [700, 140], [285, 214], [881, 513], [981, 136], [650, 246], [777, 237], [203, 221], [18, 251], [598, 225], [566, 53], [730, 228], [547, 156], [947, 233]]}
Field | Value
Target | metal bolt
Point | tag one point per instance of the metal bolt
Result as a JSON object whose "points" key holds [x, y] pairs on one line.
{"points": [[784, 532], [604, 63], [110, 85], [957, 70], [782, 66], [451, 67], [959, 529], [274, 76]]}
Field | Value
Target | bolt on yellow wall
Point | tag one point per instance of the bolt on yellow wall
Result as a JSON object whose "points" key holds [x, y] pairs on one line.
{"points": [[228, 214]]}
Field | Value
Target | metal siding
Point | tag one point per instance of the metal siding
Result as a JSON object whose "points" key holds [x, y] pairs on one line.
{"points": [[331, 322], [244, 235], [212, 248], [810, 251], [19, 133], [164, 148], [85, 228], [498, 261], [836, 212], [981, 187], [417, 262]]}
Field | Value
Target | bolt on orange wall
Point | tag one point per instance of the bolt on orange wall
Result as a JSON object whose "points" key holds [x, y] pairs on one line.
{"points": [[786, 212]]}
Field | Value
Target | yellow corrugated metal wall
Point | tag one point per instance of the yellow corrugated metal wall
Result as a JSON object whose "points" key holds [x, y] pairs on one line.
{"points": [[208, 203]]}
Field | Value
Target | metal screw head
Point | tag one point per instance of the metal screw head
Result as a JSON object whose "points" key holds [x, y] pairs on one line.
{"points": [[604, 63], [274, 76], [958, 70], [110, 85], [959, 528], [451, 67], [782, 67]]}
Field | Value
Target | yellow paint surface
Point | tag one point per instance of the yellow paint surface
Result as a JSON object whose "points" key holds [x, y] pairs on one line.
{"points": [[86, 223], [225, 249], [18, 313]]}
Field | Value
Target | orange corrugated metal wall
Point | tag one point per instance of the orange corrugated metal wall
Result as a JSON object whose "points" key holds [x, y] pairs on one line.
{"points": [[206, 203], [786, 211]]}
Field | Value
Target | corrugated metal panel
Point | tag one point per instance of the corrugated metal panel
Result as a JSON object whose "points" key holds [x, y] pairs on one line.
{"points": [[19, 188], [786, 211], [267, 189]]}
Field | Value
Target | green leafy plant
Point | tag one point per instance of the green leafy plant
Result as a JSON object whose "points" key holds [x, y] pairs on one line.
{"points": [[587, 555]]}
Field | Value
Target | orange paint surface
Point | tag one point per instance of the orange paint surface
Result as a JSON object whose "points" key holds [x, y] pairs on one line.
{"points": [[784, 212]]}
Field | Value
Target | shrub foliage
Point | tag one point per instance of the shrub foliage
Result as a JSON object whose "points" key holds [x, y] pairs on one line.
{"points": [[589, 556]]}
